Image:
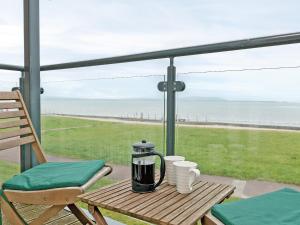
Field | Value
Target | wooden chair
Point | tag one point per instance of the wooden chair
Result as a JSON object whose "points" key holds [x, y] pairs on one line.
{"points": [[17, 130]]}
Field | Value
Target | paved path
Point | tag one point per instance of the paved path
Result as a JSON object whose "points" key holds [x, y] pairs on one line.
{"points": [[244, 189]]}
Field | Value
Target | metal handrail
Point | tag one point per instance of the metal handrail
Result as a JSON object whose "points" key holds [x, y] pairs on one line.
{"points": [[267, 41], [11, 67]]}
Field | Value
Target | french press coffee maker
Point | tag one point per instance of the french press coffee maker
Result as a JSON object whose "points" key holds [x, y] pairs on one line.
{"points": [[143, 167]]}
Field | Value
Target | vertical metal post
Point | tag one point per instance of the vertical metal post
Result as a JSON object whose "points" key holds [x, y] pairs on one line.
{"points": [[25, 149], [31, 89], [171, 91], [21, 83]]}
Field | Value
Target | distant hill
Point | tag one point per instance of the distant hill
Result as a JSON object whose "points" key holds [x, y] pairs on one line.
{"points": [[202, 99]]}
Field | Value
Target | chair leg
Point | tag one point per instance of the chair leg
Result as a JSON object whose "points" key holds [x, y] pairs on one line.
{"points": [[97, 215], [209, 219], [11, 213], [80, 214]]}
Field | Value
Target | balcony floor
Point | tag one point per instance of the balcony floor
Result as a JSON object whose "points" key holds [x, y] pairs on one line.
{"points": [[64, 217]]}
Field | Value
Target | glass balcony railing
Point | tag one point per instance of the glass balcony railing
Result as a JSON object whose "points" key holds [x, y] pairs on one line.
{"points": [[9, 159], [246, 138], [82, 126], [242, 137]]}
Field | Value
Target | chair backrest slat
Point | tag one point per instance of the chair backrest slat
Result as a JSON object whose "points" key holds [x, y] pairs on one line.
{"points": [[16, 142], [15, 133], [9, 95], [11, 114], [14, 123], [10, 105], [16, 128]]}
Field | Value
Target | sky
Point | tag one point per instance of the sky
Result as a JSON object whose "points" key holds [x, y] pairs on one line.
{"points": [[73, 30]]}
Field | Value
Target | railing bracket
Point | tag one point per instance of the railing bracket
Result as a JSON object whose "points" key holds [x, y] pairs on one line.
{"points": [[177, 86]]}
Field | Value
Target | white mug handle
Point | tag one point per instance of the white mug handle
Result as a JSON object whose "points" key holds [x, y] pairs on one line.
{"points": [[193, 174]]}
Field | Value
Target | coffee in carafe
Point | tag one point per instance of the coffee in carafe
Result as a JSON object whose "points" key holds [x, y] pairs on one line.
{"points": [[143, 167]]}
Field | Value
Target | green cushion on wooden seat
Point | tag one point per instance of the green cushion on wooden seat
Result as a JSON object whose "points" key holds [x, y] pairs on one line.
{"points": [[1, 192], [55, 175], [280, 207]]}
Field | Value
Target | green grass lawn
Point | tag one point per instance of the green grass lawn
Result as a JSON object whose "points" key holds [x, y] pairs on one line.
{"points": [[7, 170], [244, 154]]}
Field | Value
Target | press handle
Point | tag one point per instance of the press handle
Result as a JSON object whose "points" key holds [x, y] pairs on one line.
{"points": [[162, 168]]}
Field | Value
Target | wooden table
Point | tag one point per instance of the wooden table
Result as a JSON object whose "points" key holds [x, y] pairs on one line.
{"points": [[164, 206]]}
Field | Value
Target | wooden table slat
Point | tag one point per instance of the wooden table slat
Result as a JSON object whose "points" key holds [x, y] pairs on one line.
{"points": [[221, 196], [117, 192], [182, 201], [148, 203], [164, 206], [106, 191], [152, 207], [170, 202], [110, 191], [103, 190], [184, 214], [122, 197], [166, 201], [142, 198], [134, 198], [124, 207], [182, 207]]}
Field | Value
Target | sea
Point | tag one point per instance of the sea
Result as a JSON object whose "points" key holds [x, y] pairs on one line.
{"points": [[187, 110]]}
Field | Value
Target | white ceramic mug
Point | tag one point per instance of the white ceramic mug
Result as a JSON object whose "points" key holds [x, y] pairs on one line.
{"points": [[170, 168], [186, 175]]}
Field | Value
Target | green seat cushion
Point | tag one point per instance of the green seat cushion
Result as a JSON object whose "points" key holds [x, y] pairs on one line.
{"points": [[1, 192], [276, 208], [55, 175]]}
